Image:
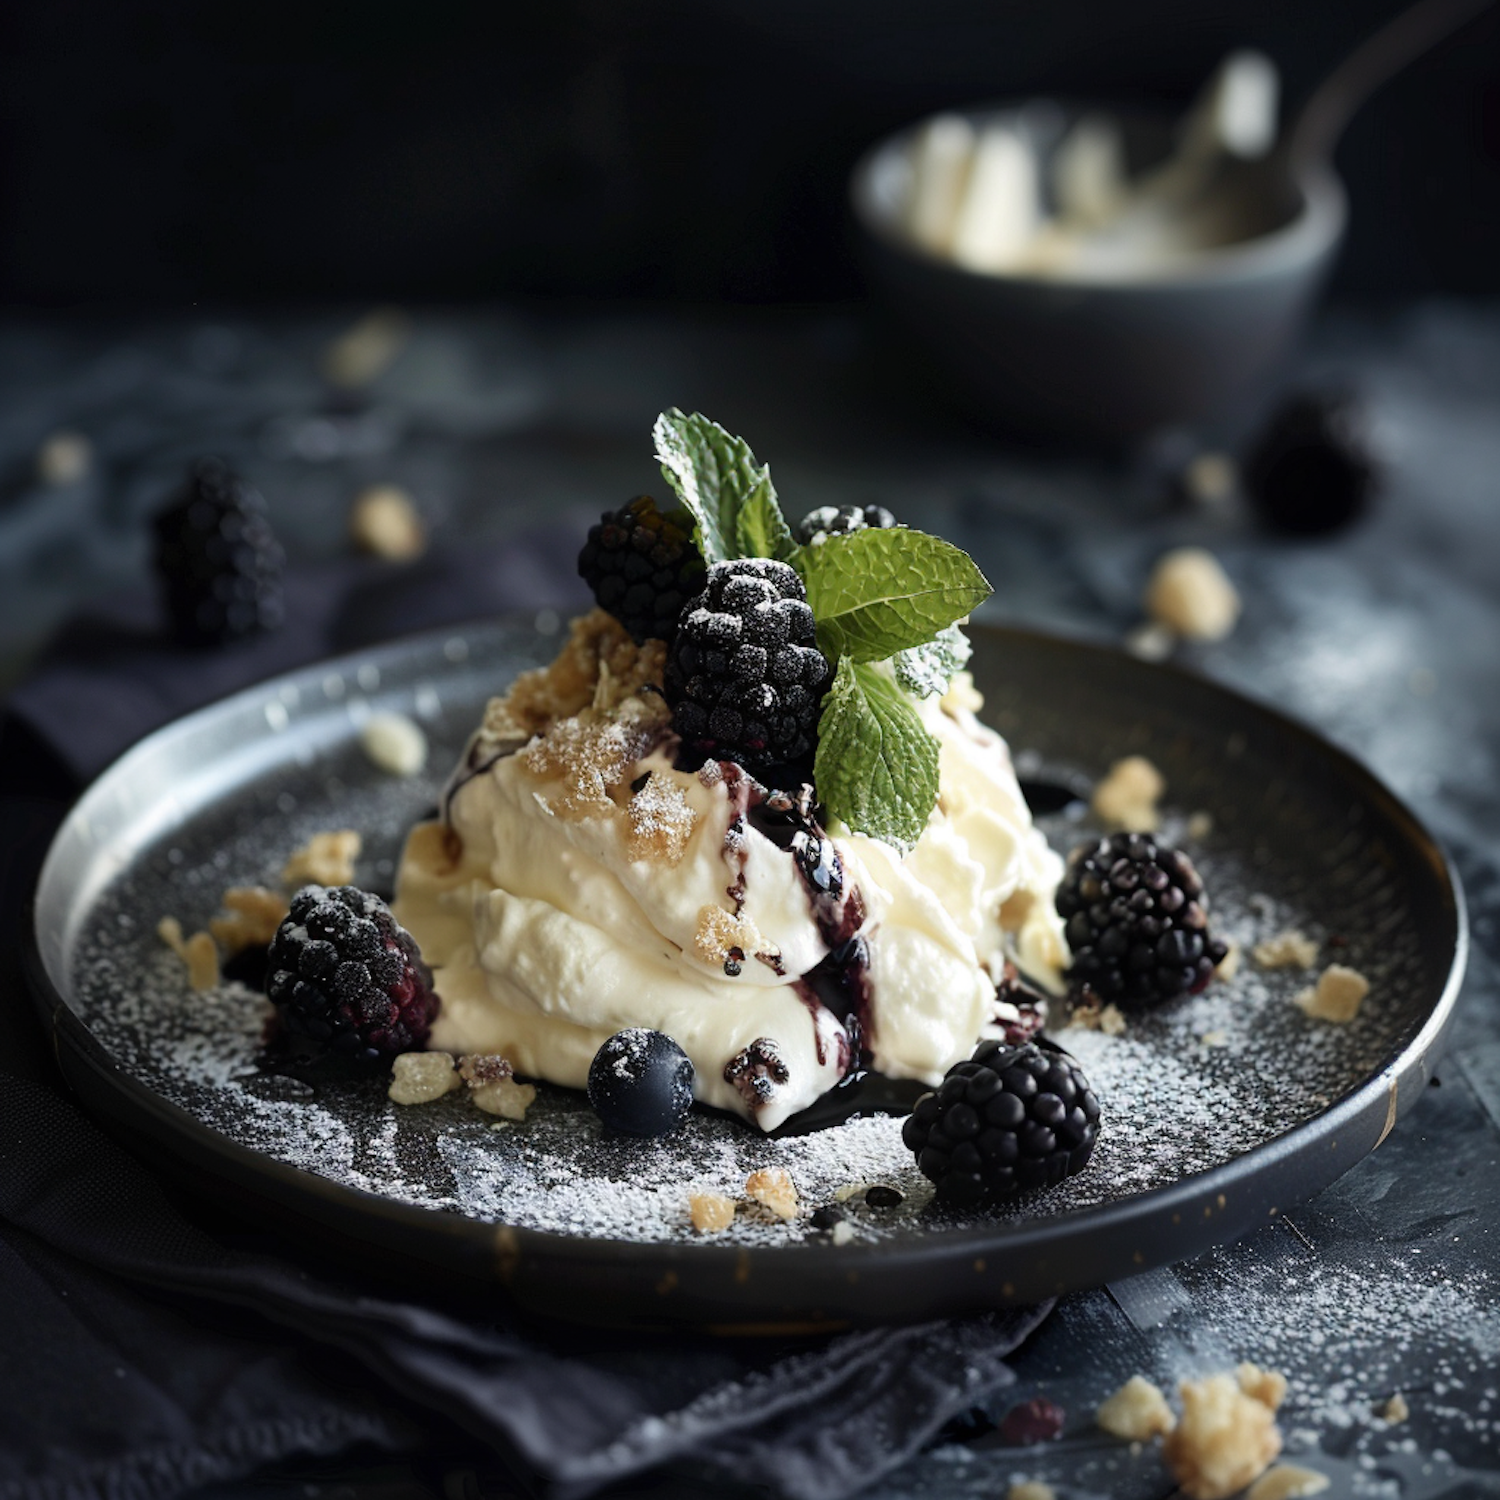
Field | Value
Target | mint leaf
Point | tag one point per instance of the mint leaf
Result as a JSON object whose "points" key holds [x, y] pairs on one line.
{"points": [[729, 495], [760, 529], [925, 670], [876, 767], [883, 590]]}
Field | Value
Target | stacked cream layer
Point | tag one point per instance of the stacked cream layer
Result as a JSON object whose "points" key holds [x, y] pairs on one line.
{"points": [[570, 895]]}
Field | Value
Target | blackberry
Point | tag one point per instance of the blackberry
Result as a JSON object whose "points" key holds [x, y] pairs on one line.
{"points": [[219, 562], [1009, 1119], [839, 520], [642, 567], [348, 982], [641, 1082], [1136, 922], [1313, 467], [744, 676]]}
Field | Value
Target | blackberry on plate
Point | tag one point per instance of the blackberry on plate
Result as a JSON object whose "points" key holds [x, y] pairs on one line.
{"points": [[219, 562], [641, 1082], [839, 520], [1008, 1119], [744, 676], [348, 982], [1136, 922], [1313, 467], [642, 567]]}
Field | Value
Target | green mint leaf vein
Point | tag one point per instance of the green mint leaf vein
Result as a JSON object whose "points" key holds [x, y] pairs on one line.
{"points": [[928, 669], [729, 495], [876, 766], [884, 590]]}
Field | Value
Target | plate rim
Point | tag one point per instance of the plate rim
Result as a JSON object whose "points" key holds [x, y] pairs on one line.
{"points": [[690, 1281]]}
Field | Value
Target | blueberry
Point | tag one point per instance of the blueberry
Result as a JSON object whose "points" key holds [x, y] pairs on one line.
{"points": [[641, 1082]]}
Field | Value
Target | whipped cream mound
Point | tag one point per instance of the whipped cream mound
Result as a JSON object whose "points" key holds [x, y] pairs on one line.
{"points": [[580, 883]]}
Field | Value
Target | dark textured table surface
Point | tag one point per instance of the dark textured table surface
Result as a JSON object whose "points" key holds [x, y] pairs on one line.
{"points": [[1386, 637]]}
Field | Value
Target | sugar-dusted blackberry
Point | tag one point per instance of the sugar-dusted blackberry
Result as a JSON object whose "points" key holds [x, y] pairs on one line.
{"points": [[349, 984], [641, 1082], [839, 520], [1136, 922], [218, 560], [744, 675], [1007, 1120], [1313, 468], [643, 567]]}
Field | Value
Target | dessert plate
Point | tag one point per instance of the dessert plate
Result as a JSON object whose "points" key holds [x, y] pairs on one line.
{"points": [[1219, 1111]]}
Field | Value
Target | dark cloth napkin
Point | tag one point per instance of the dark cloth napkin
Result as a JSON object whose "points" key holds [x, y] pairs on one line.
{"points": [[149, 1348]]}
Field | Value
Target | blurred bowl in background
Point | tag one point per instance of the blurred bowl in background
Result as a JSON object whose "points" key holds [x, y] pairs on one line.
{"points": [[1093, 352]]}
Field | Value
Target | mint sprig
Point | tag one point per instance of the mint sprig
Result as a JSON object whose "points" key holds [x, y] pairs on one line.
{"points": [[883, 590], [876, 766], [730, 496]]}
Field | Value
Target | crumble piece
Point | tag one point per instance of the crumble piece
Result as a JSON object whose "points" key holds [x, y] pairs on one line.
{"points": [[1287, 1482], [772, 1188], [64, 458], [254, 916], [1189, 593], [1395, 1410], [1215, 1038], [325, 859], [842, 1233], [1150, 642], [1224, 1440], [1229, 965], [1291, 949], [1128, 795], [383, 521], [757, 1071], [1136, 1411], [197, 952], [420, 1077], [1266, 1386], [364, 350], [593, 752], [722, 940], [395, 743], [504, 1097], [1199, 825], [661, 821], [1336, 997], [1030, 1489], [480, 1068], [1210, 478], [1112, 1021], [711, 1212]]}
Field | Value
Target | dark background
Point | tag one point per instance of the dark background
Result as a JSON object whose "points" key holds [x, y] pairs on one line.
{"points": [[163, 154]]}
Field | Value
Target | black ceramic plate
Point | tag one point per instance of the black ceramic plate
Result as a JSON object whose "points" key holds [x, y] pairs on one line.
{"points": [[1219, 1111]]}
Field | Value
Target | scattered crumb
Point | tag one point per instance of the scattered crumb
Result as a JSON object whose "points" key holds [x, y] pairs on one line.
{"points": [[1188, 592], [841, 1233], [661, 821], [1150, 642], [1287, 1482], [1224, 1440], [1136, 1411], [419, 1077], [1229, 965], [1210, 479], [197, 952], [710, 1212], [1128, 795], [582, 758], [1215, 1039], [1395, 1410], [254, 915], [1337, 996], [1030, 1489], [325, 859], [64, 458], [1086, 1014], [383, 521], [1112, 1021], [364, 351], [1286, 950], [504, 1097], [772, 1188], [1266, 1386], [1199, 825], [395, 743]]}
